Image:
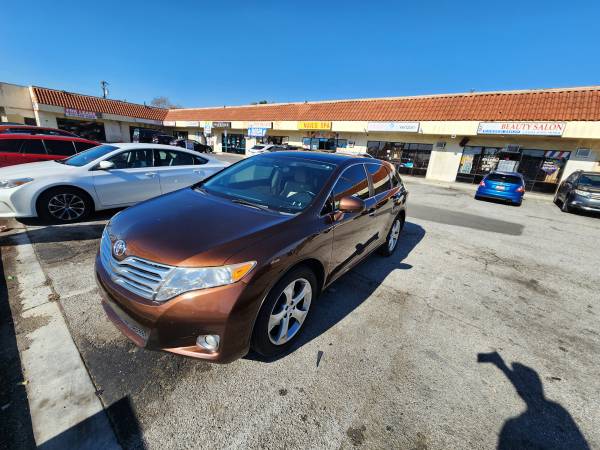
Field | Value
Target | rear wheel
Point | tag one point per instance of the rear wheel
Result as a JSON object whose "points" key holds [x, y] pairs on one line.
{"points": [[387, 249], [64, 205], [283, 314]]}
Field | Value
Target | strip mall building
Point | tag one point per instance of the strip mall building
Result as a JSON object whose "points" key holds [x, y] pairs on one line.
{"points": [[544, 134]]}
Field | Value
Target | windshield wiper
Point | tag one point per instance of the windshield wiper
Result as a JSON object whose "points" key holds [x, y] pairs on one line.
{"points": [[250, 204]]}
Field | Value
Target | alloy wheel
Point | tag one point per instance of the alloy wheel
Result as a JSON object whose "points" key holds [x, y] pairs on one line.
{"points": [[394, 235], [66, 207], [290, 311]]}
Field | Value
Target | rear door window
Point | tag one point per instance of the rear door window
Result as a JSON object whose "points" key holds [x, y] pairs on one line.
{"points": [[33, 147], [169, 158], [379, 178], [61, 148], [10, 145]]}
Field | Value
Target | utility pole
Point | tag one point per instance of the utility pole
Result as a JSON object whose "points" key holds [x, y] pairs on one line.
{"points": [[104, 86]]}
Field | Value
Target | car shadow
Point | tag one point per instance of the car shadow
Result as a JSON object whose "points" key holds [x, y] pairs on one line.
{"points": [[333, 307], [544, 424]]}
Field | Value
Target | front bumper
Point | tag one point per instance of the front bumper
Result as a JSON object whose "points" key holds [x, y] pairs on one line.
{"points": [[515, 197], [14, 202], [174, 325], [584, 203]]}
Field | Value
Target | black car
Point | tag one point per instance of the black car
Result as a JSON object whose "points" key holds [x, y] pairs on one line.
{"points": [[190, 144], [580, 191], [144, 135]]}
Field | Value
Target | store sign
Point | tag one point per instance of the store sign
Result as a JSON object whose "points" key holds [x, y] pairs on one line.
{"points": [[221, 124], [257, 132], [169, 123], [80, 114], [260, 125], [314, 125], [396, 127], [207, 128], [188, 124], [522, 128]]}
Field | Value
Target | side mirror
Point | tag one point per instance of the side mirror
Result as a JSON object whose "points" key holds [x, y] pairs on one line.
{"points": [[106, 165], [352, 205]]}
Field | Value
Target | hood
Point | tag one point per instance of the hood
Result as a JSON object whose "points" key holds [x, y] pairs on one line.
{"points": [[190, 228], [34, 170]]}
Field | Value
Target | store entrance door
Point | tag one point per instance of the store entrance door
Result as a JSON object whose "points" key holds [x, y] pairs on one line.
{"points": [[233, 143]]}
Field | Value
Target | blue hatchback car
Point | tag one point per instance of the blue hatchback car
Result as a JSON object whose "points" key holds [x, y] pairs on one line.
{"points": [[508, 186]]}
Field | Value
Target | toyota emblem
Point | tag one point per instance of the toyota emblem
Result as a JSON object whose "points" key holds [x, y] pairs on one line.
{"points": [[119, 248]]}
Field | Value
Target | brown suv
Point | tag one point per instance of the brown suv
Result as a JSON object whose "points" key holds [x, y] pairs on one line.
{"points": [[235, 261]]}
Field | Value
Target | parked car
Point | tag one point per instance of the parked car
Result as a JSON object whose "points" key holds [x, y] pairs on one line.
{"points": [[266, 148], [190, 144], [507, 186], [262, 239], [106, 176], [24, 147], [144, 135], [580, 190], [13, 128]]}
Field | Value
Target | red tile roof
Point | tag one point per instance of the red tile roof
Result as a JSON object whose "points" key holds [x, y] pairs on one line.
{"points": [[546, 104], [550, 104], [96, 104]]}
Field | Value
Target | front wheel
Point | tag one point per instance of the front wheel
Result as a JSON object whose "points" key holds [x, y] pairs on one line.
{"points": [[387, 249], [64, 205], [284, 312], [564, 207]]}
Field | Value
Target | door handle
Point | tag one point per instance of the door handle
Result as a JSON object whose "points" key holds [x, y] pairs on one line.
{"points": [[150, 174], [197, 171]]}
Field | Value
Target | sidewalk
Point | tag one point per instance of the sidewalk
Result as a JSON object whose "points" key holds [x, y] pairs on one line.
{"points": [[409, 179]]}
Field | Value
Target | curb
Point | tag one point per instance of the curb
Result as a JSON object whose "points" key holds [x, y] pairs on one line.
{"points": [[65, 411]]}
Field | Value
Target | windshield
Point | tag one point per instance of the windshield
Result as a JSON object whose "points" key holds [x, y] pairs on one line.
{"points": [[590, 180], [258, 147], [86, 157], [504, 178], [286, 185]]}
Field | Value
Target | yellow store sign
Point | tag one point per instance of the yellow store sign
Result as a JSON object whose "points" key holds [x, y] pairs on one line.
{"points": [[314, 125]]}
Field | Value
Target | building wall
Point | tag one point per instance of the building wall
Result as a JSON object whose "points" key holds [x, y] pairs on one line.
{"points": [[15, 103]]}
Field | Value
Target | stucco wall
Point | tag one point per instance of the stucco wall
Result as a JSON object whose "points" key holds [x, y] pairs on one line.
{"points": [[16, 103]]}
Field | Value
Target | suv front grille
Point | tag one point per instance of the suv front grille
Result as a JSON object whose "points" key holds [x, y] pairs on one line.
{"points": [[138, 275]]}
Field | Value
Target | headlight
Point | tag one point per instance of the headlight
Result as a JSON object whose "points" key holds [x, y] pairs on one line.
{"points": [[582, 193], [184, 279], [6, 184]]}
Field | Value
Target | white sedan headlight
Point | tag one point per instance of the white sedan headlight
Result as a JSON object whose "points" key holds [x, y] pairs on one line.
{"points": [[184, 279], [6, 184]]}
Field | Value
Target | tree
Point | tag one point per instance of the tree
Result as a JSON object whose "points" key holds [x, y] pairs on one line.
{"points": [[163, 102], [261, 102]]}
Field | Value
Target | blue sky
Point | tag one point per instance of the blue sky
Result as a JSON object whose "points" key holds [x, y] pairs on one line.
{"points": [[234, 52]]}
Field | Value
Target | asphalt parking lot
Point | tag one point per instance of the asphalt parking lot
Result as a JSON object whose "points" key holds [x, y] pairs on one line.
{"points": [[400, 352]]}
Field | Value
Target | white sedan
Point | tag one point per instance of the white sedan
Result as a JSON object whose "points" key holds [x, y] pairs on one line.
{"points": [[103, 177]]}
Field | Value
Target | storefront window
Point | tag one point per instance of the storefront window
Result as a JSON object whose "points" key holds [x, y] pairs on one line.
{"points": [[275, 140], [409, 158], [233, 143], [325, 144], [541, 169], [87, 129]]}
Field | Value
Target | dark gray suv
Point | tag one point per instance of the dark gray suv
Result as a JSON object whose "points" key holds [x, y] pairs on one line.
{"points": [[581, 190]]}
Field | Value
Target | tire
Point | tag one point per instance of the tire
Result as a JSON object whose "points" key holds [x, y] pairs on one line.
{"points": [[277, 312], [564, 207], [393, 236], [50, 205]]}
